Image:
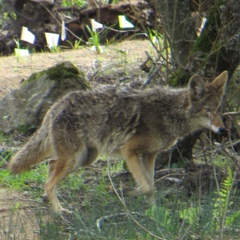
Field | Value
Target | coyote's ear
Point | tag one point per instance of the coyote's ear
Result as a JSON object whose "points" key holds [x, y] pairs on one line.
{"points": [[196, 88], [220, 82]]}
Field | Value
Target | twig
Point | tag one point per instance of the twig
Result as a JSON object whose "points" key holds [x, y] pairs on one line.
{"points": [[231, 113], [59, 23], [227, 152], [230, 155], [104, 218], [171, 174]]}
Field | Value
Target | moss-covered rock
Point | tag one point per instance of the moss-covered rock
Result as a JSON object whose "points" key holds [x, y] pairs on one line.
{"points": [[60, 73], [23, 109]]}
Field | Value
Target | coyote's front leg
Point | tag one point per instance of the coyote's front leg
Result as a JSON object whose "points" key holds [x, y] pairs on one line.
{"points": [[141, 165]]}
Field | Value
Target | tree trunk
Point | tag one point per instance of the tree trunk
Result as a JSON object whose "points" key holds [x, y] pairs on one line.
{"points": [[178, 25], [215, 50]]}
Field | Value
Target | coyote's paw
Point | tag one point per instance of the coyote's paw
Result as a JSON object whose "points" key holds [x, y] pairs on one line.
{"points": [[45, 198], [64, 213], [131, 191]]}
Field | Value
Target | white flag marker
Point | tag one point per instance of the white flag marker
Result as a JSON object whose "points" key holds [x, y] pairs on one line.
{"points": [[64, 32], [95, 25], [124, 23], [52, 39], [21, 52], [27, 36]]}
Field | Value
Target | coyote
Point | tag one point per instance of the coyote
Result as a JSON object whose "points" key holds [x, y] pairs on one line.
{"points": [[135, 123]]}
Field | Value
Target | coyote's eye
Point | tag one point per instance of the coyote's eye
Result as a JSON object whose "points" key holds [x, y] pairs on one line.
{"points": [[208, 109]]}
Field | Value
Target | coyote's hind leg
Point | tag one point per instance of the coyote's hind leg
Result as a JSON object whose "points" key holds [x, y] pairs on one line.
{"points": [[61, 168], [58, 170]]}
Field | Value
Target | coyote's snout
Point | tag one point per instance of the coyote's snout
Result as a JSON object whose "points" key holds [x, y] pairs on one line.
{"points": [[136, 123]]}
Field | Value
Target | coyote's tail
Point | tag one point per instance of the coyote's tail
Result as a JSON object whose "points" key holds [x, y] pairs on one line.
{"points": [[34, 151]]}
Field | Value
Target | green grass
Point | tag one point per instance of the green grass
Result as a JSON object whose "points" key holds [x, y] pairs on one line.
{"points": [[174, 218], [25, 180], [94, 40], [213, 215]]}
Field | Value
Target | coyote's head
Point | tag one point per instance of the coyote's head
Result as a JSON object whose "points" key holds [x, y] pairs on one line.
{"points": [[205, 100]]}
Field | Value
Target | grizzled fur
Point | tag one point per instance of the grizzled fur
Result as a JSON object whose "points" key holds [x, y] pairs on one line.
{"points": [[135, 123]]}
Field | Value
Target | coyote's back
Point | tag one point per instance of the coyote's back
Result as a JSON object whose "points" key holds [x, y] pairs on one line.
{"points": [[137, 124]]}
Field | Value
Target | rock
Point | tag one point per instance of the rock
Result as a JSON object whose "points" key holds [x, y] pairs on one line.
{"points": [[23, 109]]}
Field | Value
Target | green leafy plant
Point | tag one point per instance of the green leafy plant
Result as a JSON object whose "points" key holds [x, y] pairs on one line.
{"points": [[159, 42], [55, 49], [20, 51], [223, 202], [94, 40], [18, 48], [76, 45], [78, 3]]}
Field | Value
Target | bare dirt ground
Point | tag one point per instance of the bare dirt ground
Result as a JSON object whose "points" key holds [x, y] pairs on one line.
{"points": [[16, 209], [12, 72], [18, 216]]}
